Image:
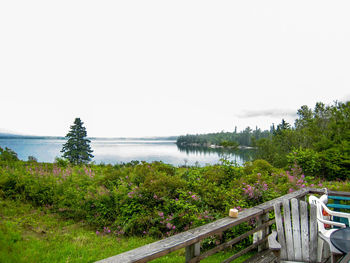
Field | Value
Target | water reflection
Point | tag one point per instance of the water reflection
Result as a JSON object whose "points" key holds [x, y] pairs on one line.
{"points": [[240, 156]]}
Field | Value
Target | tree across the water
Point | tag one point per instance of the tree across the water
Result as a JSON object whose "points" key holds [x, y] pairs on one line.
{"points": [[77, 149]]}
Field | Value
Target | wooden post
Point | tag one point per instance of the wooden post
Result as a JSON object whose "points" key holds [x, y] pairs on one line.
{"points": [[193, 251], [263, 233]]}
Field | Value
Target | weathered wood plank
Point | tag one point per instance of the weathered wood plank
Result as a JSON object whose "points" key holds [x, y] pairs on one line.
{"points": [[296, 229], [193, 251], [288, 229], [305, 239], [244, 251], [265, 256], [269, 205], [313, 233], [264, 232], [235, 240], [273, 244], [280, 230]]}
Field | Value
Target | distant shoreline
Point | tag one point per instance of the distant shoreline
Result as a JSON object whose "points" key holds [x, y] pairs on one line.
{"points": [[215, 146], [15, 136]]}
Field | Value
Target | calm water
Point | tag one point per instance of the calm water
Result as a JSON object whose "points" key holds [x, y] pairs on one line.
{"points": [[118, 151]]}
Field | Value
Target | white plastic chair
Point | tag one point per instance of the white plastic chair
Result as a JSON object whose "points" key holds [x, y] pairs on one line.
{"points": [[324, 234]]}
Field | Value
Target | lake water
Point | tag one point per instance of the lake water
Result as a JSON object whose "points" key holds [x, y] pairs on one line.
{"points": [[113, 151]]}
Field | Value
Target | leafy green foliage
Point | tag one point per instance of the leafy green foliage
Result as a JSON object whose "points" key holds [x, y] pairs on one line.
{"points": [[142, 198], [77, 148], [145, 199], [319, 142], [8, 155], [308, 159]]}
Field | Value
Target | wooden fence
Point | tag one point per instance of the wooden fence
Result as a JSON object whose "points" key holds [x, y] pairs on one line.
{"points": [[190, 240]]}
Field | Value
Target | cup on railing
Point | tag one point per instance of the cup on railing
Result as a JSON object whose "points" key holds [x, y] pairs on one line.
{"points": [[233, 213]]}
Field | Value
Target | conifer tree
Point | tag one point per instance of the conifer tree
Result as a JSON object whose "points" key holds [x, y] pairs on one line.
{"points": [[77, 148]]}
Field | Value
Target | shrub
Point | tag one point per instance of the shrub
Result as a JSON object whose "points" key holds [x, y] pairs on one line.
{"points": [[309, 160], [8, 155]]}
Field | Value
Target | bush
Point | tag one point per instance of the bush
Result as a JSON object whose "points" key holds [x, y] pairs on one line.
{"points": [[146, 198], [8, 155], [309, 160]]}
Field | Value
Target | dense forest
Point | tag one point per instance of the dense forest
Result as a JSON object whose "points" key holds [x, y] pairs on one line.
{"points": [[247, 137], [318, 141]]}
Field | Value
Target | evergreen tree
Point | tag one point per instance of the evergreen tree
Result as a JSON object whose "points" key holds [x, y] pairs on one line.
{"points": [[77, 148]]}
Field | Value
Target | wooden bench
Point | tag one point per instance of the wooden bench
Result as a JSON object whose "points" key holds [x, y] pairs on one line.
{"points": [[339, 207]]}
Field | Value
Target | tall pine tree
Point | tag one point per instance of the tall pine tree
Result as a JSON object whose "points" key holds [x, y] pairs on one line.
{"points": [[77, 148]]}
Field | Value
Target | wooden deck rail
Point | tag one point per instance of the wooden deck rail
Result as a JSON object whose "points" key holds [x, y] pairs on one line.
{"points": [[191, 239]]}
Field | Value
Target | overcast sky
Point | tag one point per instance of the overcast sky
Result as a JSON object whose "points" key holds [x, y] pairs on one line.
{"points": [[158, 68]]}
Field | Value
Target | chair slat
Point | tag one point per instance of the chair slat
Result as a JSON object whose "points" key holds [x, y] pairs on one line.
{"points": [[280, 230], [296, 229], [288, 229], [305, 238], [313, 233]]}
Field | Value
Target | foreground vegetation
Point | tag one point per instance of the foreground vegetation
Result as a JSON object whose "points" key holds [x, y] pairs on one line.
{"points": [[57, 209], [34, 234], [153, 199], [29, 234]]}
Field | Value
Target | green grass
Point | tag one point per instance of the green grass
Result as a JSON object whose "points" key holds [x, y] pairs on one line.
{"points": [[30, 234], [33, 235]]}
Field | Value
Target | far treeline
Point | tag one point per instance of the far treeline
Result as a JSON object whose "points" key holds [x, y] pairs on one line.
{"points": [[319, 141], [247, 138]]}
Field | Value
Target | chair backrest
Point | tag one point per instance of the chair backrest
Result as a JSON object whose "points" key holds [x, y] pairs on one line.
{"points": [[318, 203], [297, 230]]}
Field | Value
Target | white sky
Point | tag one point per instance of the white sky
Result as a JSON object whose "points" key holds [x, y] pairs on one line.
{"points": [[155, 68]]}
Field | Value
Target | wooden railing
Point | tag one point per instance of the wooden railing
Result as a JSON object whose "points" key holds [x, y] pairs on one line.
{"points": [[190, 240]]}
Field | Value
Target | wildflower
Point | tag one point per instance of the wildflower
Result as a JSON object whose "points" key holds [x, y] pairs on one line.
{"points": [[97, 232], [265, 187], [194, 197], [161, 214]]}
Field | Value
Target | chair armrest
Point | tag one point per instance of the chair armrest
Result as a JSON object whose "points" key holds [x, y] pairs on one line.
{"points": [[272, 239], [335, 213], [333, 223]]}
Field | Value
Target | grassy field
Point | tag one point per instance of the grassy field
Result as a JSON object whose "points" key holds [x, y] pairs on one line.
{"points": [[29, 234]]}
